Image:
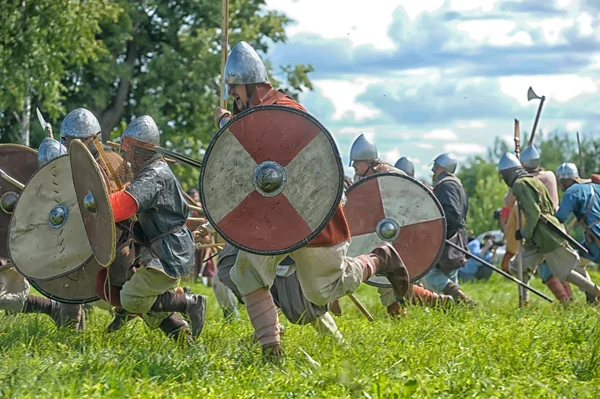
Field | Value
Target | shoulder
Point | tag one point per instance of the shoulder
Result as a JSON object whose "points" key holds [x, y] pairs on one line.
{"points": [[290, 102]]}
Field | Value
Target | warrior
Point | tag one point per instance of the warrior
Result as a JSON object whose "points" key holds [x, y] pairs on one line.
{"points": [[540, 241], [365, 160], [582, 199], [405, 165], [324, 271], [164, 250], [449, 191], [530, 159], [286, 291], [14, 288]]}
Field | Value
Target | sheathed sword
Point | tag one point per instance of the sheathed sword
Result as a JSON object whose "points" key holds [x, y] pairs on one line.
{"points": [[563, 234], [497, 270]]}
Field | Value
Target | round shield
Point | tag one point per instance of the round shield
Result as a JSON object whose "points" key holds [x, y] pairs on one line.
{"points": [[92, 197], [20, 163], [76, 288], [47, 237], [398, 209], [271, 180]]}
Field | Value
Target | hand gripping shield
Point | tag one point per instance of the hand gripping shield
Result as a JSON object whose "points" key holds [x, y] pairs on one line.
{"points": [[271, 180], [398, 209], [20, 163], [92, 197], [47, 236]]}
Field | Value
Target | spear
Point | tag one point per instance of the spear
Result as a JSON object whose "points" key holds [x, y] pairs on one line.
{"points": [[224, 44], [523, 293]]}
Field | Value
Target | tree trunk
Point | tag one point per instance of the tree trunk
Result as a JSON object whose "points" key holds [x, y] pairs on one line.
{"points": [[26, 119], [111, 115]]}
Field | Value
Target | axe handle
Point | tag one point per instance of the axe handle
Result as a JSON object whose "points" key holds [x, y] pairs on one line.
{"points": [[537, 119], [361, 307], [107, 164], [218, 245], [500, 271], [12, 181]]}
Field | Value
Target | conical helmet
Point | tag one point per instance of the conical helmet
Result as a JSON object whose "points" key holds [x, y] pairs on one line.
{"points": [[406, 165], [79, 124], [362, 150], [48, 150], [244, 66]]}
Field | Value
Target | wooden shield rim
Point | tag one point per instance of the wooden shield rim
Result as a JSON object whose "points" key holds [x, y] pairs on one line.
{"points": [[338, 159], [34, 283], [8, 238], [435, 200], [28, 149], [79, 146]]}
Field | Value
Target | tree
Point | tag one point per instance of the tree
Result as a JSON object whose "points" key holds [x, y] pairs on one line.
{"points": [[164, 61], [40, 40]]}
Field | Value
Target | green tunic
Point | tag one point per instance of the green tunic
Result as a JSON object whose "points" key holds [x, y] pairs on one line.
{"points": [[534, 201]]}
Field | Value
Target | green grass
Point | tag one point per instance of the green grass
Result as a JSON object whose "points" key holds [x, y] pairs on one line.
{"points": [[494, 350]]}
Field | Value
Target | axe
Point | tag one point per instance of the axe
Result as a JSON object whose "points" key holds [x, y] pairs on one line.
{"points": [[532, 96], [45, 125]]}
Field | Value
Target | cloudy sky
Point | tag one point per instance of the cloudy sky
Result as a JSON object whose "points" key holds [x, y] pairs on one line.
{"points": [[421, 77]]}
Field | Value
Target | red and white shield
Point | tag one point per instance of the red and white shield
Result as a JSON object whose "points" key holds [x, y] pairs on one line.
{"points": [[271, 180], [398, 209]]}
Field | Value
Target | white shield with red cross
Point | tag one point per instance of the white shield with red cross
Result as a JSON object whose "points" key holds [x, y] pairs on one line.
{"points": [[398, 209], [271, 180]]}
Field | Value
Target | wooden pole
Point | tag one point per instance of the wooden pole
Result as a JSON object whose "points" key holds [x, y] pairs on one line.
{"points": [[523, 292], [107, 164], [224, 46], [12, 181], [361, 307]]}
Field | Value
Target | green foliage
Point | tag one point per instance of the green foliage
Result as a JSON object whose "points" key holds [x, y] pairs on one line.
{"points": [[495, 350], [164, 60], [485, 191], [42, 41]]}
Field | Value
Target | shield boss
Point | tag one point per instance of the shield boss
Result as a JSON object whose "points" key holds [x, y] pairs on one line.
{"points": [[398, 209], [271, 180], [47, 236]]}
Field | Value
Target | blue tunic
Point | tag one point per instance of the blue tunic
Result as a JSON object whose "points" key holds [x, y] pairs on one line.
{"points": [[577, 200]]}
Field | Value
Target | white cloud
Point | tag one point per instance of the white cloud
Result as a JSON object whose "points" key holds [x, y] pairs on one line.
{"points": [[441, 134], [424, 145], [335, 19], [559, 88], [391, 156], [343, 93], [464, 148], [471, 124], [356, 130], [574, 125]]}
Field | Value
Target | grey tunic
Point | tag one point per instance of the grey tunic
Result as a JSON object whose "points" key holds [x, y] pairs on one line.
{"points": [[162, 214], [286, 290], [449, 191]]}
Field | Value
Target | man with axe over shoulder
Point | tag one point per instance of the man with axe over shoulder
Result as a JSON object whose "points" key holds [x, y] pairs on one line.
{"points": [[582, 199], [542, 240], [530, 159]]}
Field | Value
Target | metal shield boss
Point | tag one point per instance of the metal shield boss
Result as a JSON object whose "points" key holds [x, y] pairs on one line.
{"points": [[92, 198], [398, 209], [271, 180], [47, 236], [20, 163]]}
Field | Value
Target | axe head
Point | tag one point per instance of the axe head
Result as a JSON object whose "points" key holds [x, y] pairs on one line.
{"points": [[531, 95]]}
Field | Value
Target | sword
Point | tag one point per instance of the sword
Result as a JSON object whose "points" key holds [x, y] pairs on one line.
{"points": [[6, 177], [502, 272], [45, 125], [180, 157], [557, 230]]}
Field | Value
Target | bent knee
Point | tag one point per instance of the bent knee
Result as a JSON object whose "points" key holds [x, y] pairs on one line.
{"points": [[136, 304]]}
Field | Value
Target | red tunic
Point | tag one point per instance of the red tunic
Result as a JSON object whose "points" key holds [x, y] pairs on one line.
{"points": [[337, 230]]}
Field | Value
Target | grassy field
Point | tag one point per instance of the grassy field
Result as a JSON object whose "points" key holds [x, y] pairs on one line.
{"points": [[494, 350]]}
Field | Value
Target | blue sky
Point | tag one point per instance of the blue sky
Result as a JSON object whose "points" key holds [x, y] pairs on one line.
{"points": [[430, 76]]}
